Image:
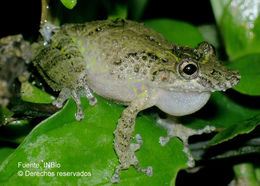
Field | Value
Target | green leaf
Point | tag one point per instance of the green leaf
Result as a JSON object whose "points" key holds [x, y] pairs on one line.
{"points": [[257, 173], [240, 28], [249, 68], [243, 127], [4, 153], [5, 113], [176, 31], [218, 6], [137, 8], [69, 3], [15, 131], [33, 94], [119, 11], [245, 174], [88, 146]]}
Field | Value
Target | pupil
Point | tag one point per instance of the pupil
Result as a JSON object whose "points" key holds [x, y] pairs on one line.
{"points": [[190, 69]]}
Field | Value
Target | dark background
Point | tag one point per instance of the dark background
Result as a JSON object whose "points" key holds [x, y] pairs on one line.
{"points": [[23, 16]]}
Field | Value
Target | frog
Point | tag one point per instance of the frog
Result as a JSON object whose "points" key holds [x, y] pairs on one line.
{"points": [[131, 64]]}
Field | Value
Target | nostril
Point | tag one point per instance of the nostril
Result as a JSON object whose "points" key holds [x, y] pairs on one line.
{"points": [[235, 72], [232, 78]]}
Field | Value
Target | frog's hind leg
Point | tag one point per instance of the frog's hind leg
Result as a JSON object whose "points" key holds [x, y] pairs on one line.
{"points": [[123, 145], [82, 92], [66, 93], [76, 96], [91, 98], [79, 115]]}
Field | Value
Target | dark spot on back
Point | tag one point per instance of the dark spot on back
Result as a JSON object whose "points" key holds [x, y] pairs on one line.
{"points": [[164, 60], [215, 72], [150, 38], [153, 56], [79, 27], [98, 29], [132, 54], [117, 23], [136, 68], [117, 62], [118, 20], [144, 58], [17, 44], [142, 52]]}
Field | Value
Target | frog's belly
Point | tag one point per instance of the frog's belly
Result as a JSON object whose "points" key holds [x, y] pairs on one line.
{"points": [[123, 91]]}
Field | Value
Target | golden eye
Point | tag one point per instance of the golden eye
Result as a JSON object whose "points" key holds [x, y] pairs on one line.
{"points": [[188, 69]]}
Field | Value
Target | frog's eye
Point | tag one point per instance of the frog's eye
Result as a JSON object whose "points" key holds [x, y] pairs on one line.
{"points": [[188, 69]]}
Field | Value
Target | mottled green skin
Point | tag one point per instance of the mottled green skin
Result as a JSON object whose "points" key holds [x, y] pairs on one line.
{"points": [[127, 49], [130, 63], [61, 63]]}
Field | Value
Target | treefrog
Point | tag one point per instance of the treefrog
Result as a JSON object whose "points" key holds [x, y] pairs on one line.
{"points": [[129, 63]]}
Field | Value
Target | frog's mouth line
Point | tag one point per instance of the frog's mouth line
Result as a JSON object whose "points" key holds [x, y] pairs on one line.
{"points": [[202, 84]]}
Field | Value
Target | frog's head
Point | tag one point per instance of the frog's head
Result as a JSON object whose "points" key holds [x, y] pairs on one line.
{"points": [[199, 70], [198, 73]]}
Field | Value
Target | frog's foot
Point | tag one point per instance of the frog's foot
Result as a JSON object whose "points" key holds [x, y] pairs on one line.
{"points": [[128, 158], [65, 94], [178, 130], [164, 140]]}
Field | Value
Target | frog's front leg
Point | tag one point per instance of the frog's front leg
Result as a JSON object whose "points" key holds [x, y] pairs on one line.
{"points": [[175, 129], [123, 145]]}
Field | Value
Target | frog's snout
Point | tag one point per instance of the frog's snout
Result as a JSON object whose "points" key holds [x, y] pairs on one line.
{"points": [[233, 78], [220, 80]]}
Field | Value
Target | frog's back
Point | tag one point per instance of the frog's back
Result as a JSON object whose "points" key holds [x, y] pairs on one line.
{"points": [[120, 44], [119, 54]]}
